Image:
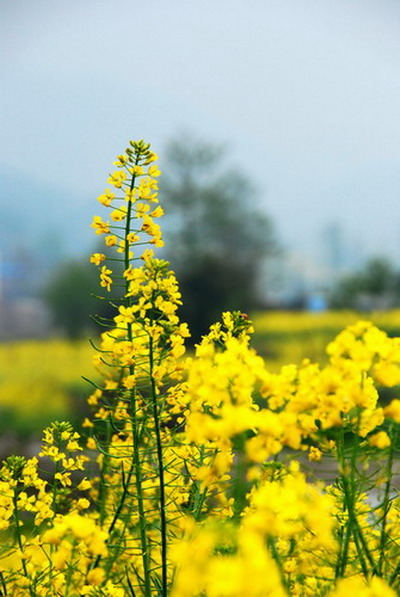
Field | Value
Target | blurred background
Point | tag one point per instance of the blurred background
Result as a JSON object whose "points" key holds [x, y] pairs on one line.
{"points": [[277, 126]]}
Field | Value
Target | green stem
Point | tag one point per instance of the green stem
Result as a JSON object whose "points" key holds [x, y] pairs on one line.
{"points": [[344, 552], [276, 556], [19, 538], [201, 496], [386, 501], [70, 571], [103, 473], [139, 492], [128, 229], [346, 531], [395, 574], [163, 517], [3, 584], [118, 510], [349, 493], [135, 424]]}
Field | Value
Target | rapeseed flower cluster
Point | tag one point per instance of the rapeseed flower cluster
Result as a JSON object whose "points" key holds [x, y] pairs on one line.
{"points": [[188, 482]]}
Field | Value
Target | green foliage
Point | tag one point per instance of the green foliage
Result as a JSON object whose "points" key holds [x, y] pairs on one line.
{"points": [[218, 237], [375, 286], [69, 295]]}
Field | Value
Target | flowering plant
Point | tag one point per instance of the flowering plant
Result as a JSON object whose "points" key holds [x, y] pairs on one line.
{"points": [[189, 480]]}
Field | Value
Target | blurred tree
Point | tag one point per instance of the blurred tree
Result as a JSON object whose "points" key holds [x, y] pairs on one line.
{"points": [[376, 286], [217, 237], [69, 295]]}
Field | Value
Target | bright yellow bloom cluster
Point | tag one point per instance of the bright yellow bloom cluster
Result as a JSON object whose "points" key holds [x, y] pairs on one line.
{"points": [[217, 560], [33, 504]]}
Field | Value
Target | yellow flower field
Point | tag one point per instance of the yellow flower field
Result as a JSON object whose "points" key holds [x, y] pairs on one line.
{"points": [[40, 380], [183, 479], [283, 337]]}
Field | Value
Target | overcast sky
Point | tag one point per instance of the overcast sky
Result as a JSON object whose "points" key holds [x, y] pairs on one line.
{"points": [[306, 93]]}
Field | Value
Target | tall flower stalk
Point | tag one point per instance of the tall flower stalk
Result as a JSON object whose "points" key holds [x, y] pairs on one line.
{"points": [[139, 355]]}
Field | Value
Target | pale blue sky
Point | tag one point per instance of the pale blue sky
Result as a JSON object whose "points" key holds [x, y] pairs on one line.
{"points": [[305, 92]]}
